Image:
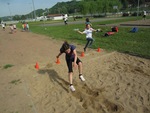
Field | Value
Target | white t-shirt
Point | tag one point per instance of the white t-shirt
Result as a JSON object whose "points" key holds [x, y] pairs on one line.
{"points": [[14, 26], [88, 32], [3, 25], [65, 17], [144, 12]]}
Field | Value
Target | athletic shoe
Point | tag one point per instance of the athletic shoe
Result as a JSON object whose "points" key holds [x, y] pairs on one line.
{"points": [[72, 88], [82, 78]]}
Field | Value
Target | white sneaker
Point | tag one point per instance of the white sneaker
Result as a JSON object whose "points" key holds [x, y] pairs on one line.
{"points": [[72, 88], [82, 78]]}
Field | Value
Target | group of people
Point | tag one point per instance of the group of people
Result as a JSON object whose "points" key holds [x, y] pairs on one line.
{"points": [[25, 26], [71, 58], [11, 26]]}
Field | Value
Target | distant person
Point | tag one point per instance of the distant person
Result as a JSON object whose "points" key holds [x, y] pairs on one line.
{"points": [[3, 26], [65, 18], [87, 21], [144, 14], [23, 29], [14, 27], [72, 60], [11, 28], [88, 31], [27, 25]]}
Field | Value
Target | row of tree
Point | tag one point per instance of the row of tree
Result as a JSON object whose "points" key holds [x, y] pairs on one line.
{"points": [[84, 7], [94, 6]]}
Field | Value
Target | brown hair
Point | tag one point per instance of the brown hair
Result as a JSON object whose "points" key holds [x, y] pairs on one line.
{"points": [[65, 46]]}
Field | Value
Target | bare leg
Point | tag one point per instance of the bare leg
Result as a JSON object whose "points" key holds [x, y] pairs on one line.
{"points": [[80, 67], [70, 77]]}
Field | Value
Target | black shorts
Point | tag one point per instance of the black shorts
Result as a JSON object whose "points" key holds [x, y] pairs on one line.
{"points": [[69, 63]]}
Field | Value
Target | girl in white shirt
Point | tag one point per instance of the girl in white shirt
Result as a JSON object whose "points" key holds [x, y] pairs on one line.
{"points": [[88, 31]]}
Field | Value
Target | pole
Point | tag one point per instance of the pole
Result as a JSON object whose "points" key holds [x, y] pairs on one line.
{"points": [[9, 10], [34, 10]]}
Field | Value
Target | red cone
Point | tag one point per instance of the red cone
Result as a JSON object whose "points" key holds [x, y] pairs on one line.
{"points": [[37, 66]]}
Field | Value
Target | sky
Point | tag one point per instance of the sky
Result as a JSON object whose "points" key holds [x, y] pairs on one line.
{"points": [[22, 7]]}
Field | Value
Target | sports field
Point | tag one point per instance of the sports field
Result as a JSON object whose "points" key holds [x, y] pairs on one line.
{"points": [[115, 82]]}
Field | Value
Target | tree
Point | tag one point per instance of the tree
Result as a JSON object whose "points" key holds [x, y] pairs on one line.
{"points": [[23, 17], [16, 17], [124, 3]]}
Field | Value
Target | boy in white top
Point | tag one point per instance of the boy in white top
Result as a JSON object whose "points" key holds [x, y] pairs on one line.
{"points": [[88, 31], [65, 19], [144, 15]]}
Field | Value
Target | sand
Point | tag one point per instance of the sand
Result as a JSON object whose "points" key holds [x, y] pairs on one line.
{"points": [[115, 82]]}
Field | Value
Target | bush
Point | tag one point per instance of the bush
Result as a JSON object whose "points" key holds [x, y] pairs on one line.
{"points": [[78, 17], [98, 16], [125, 14], [135, 14]]}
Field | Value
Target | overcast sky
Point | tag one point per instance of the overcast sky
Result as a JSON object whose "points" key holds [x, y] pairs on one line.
{"points": [[21, 7]]}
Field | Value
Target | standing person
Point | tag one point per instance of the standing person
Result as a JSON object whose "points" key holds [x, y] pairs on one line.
{"points": [[27, 25], [23, 29], [87, 21], [71, 57], [65, 17], [144, 14], [3, 26], [88, 31], [14, 26]]}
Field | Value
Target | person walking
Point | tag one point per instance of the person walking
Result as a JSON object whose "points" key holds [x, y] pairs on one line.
{"points": [[65, 18], [72, 60], [144, 14]]}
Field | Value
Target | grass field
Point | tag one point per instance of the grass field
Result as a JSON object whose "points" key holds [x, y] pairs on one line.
{"points": [[123, 41]]}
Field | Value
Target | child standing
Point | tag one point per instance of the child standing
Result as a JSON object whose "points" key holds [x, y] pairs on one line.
{"points": [[144, 14], [71, 57], [3, 26], [87, 21], [88, 31]]}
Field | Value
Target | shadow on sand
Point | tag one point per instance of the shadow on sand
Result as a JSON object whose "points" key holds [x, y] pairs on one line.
{"points": [[53, 75]]}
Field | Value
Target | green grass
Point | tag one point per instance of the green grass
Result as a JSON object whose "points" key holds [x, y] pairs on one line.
{"points": [[123, 41], [7, 66]]}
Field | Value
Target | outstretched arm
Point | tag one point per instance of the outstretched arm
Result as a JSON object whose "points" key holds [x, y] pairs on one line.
{"points": [[80, 32], [58, 55]]}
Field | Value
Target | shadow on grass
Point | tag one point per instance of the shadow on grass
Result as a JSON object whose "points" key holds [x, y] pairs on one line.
{"points": [[54, 77]]}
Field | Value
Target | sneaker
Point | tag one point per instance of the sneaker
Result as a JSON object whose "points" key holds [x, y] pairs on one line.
{"points": [[82, 78], [72, 88]]}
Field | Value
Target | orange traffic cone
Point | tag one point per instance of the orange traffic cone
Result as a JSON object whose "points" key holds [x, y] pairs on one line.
{"points": [[82, 54], [58, 61], [98, 50], [37, 65]]}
